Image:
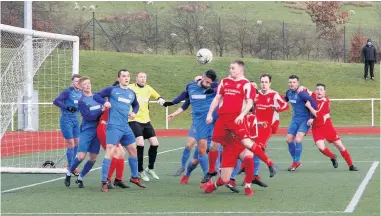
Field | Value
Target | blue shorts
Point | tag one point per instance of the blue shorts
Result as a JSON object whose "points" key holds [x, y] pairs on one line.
{"points": [[122, 134], [203, 130], [298, 125], [88, 141], [192, 132], [69, 126]]}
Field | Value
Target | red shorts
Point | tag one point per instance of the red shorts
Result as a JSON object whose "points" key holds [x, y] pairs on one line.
{"points": [[264, 135], [101, 134], [275, 126], [327, 132], [230, 154], [225, 128]]}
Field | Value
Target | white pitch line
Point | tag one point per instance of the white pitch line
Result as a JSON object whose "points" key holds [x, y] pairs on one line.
{"points": [[56, 179], [357, 196], [283, 162], [178, 213]]}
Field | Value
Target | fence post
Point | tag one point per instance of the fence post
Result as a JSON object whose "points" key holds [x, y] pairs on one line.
{"points": [[166, 118], [344, 43], [372, 102], [12, 122]]}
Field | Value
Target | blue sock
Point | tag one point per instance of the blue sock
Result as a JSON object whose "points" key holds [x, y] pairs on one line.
{"points": [[88, 165], [236, 169], [298, 151], [218, 160], [185, 157], [291, 149], [203, 160], [133, 162], [105, 168], [75, 151], [190, 168], [69, 156], [257, 162], [74, 164]]}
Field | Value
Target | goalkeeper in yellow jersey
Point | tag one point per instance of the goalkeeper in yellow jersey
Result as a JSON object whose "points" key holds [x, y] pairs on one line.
{"points": [[141, 125]]}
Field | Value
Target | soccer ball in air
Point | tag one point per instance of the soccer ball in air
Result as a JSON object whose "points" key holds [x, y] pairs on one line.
{"points": [[204, 56]]}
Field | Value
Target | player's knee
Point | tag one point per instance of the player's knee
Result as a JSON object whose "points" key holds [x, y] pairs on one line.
{"points": [[70, 143], [154, 141], [131, 149], [194, 161], [93, 157], [298, 139], [339, 146], [81, 156]]}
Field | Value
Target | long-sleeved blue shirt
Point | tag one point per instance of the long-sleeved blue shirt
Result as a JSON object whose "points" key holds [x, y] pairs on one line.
{"points": [[199, 101], [69, 97], [90, 111], [298, 102], [121, 102]]}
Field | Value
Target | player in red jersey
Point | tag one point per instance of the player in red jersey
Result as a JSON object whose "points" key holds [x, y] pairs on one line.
{"points": [[236, 96], [268, 105], [117, 162], [322, 128]]}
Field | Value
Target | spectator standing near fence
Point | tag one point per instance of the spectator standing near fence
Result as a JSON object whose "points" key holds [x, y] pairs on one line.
{"points": [[370, 57]]}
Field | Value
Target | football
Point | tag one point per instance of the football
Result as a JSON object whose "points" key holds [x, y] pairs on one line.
{"points": [[204, 56]]}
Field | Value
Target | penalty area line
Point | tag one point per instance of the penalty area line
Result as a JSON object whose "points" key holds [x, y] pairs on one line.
{"points": [[357, 196], [57, 179]]}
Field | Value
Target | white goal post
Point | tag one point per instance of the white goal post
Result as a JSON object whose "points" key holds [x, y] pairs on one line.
{"points": [[35, 67]]}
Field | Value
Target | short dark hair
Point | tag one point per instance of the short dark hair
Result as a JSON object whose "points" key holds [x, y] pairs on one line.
{"points": [[239, 62], [115, 83], [293, 77], [211, 74], [122, 70], [321, 84], [75, 76], [265, 75]]}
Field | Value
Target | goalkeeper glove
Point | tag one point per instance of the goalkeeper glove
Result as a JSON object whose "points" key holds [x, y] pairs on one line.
{"points": [[209, 91], [71, 109], [161, 101], [166, 104]]}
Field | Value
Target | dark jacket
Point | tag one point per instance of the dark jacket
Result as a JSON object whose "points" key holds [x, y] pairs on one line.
{"points": [[369, 53]]}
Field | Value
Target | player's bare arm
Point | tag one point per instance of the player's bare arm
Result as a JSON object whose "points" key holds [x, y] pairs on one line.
{"points": [[212, 107]]}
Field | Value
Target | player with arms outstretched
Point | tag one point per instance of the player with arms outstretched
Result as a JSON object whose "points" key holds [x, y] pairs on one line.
{"points": [[191, 141], [121, 99], [298, 127], [200, 96], [69, 124], [236, 96], [88, 140], [322, 128], [117, 162], [142, 127]]}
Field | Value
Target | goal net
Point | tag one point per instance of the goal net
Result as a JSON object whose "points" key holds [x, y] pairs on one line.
{"points": [[35, 67]]}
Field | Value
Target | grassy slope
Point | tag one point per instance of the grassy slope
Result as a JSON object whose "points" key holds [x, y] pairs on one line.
{"points": [[365, 16], [169, 74]]}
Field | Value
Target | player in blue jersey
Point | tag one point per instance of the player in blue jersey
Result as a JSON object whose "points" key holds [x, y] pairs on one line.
{"points": [[191, 141], [69, 124], [200, 95], [88, 140], [121, 99], [298, 127]]}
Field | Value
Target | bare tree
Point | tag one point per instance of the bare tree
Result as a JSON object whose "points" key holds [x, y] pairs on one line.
{"points": [[241, 34], [120, 30], [219, 35]]}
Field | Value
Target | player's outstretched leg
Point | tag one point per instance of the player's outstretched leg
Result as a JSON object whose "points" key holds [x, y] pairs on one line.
{"points": [[256, 179], [232, 184], [75, 163], [191, 166], [185, 156], [86, 169], [344, 153], [212, 158], [258, 151], [325, 151]]}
